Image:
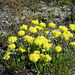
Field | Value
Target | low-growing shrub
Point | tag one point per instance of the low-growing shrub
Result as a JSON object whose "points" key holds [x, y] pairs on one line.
{"points": [[42, 48]]}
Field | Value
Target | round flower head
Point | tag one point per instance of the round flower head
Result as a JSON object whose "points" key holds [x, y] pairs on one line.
{"points": [[24, 27], [46, 31], [6, 57], [42, 24], [72, 27], [66, 35], [52, 25], [63, 28], [37, 52], [12, 39], [29, 39], [11, 46], [43, 50], [56, 34], [32, 30], [35, 22], [22, 49], [72, 43], [42, 40], [58, 48], [39, 28], [45, 58], [34, 57], [47, 46], [38, 42], [21, 33]]}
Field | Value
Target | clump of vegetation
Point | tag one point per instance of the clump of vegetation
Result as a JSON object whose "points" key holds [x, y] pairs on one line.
{"points": [[72, 16], [33, 48]]}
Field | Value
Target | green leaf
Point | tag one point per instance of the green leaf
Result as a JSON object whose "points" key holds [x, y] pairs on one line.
{"points": [[23, 57], [8, 66], [18, 59]]}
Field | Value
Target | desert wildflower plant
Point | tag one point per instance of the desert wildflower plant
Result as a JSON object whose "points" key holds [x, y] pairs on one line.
{"points": [[38, 52]]}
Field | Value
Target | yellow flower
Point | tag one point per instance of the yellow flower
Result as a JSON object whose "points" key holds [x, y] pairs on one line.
{"points": [[63, 28], [32, 30], [34, 57], [38, 42], [52, 25], [66, 35], [43, 50], [28, 49], [21, 33], [22, 49], [35, 22], [11, 46], [12, 39], [47, 58], [72, 27], [42, 39], [42, 24], [37, 52], [41, 55], [7, 53], [47, 46], [49, 41], [56, 34], [58, 48], [46, 31], [39, 28], [6, 57], [72, 43], [29, 39], [24, 27]]}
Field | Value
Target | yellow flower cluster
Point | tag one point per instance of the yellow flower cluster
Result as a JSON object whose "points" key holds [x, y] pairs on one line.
{"points": [[24, 27], [34, 57], [11, 46], [43, 39], [66, 35], [21, 33], [35, 22], [6, 56], [42, 24], [72, 43], [58, 48], [56, 34], [39, 28], [43, 50], [49, 41], [46, 31], [37, 52], [29, 39], [40, 40], [47, 46], [45, 58], [32, 30], [63, 28], [12, 39], [22, 49], [72, 27], [52, 25]]}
